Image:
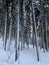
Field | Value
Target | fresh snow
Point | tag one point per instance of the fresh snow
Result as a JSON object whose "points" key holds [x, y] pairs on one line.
{"points": [[25, 57]]}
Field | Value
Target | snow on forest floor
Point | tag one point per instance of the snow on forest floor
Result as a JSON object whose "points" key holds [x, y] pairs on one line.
{"points": [[26, 57]]}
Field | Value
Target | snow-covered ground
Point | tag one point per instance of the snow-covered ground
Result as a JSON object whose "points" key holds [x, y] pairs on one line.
{"points": [[26, 56]]}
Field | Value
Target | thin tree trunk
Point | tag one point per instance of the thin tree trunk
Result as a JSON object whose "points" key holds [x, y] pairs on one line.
{"points": [[5, 32], [35, 32], [10, 29], [46, 32], [17, 42], [24, 21]]}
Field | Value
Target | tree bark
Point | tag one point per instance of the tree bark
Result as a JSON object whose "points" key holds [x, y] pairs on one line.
{"points": [[35, 32]]}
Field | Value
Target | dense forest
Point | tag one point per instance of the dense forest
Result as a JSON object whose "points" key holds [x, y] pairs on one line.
{"points": [[25, 21]]}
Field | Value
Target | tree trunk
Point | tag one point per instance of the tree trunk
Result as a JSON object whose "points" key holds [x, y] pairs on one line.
{"points": [[10, 29], [35, 32], [17, 38], [5, 32]]}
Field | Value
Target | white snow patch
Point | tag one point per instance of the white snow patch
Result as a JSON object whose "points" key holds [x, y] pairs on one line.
{"points": [[26, 56]]}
